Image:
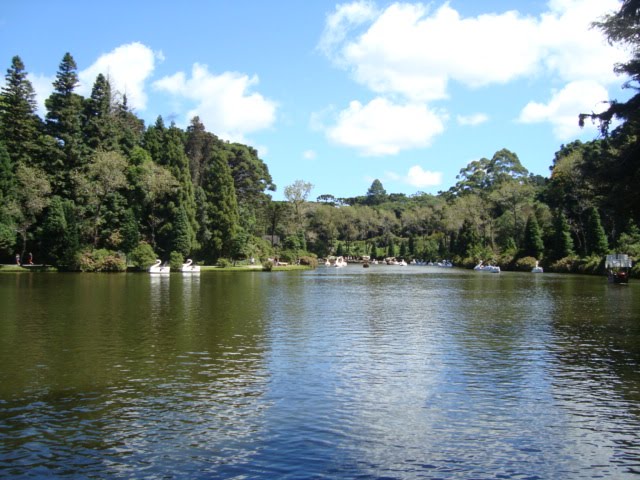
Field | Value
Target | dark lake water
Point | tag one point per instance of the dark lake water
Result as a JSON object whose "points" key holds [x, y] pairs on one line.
{"points": [[386, 372]]}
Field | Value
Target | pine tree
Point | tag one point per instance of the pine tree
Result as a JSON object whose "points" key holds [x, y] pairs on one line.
{"points": [[54, 229], [7, 177], [562, 242], [391, 249], [182, 240], [183, 202], [199, 147], [130, 129], [596, 239], [376, 193], [100, 125], [533, 244], [130, 231], [153, 140], [222, 208], [20, 125], [64, 121]]}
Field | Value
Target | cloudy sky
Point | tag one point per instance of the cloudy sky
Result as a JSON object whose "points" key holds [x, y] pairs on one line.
{"points": [[339, 94]]}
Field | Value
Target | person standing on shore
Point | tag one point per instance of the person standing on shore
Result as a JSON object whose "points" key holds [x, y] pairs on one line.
{"points": [[17, 259]]}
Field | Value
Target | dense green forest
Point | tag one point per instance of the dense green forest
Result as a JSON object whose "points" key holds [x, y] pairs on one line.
{"points": [[90, 187]]}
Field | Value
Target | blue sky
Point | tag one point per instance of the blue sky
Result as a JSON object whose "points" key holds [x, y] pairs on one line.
{"points": [[339, 94]]}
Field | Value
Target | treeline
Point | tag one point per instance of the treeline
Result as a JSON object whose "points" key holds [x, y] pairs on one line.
{"points": [[89, 184], [497, 212]]}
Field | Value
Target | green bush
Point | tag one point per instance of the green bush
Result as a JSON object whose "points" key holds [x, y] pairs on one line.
{"points": [[593, 265], [223, 263], [310, 261], [564, 265], [101, 260], [175, 261], [524, 264], [267, 265], [143, 256], [635, 271]]}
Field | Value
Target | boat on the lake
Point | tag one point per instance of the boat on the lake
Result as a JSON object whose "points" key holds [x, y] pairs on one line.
{"points": [[618, 266], [537, 268], [188, 267], [486, 268], [340, 262], [159, 268]]}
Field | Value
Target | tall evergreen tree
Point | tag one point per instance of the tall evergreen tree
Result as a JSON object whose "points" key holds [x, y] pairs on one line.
{"points": [[596, 239], [251, 176], [183, 234], [7, 193], [100, 123], [376, 194], [64, 122], [54, 226], [183, 201], [533, 246], [129, 127], [222, 208], [562, 243], [20, 126], [199, 147], [7, 176], [153, 140], [130, 231]]}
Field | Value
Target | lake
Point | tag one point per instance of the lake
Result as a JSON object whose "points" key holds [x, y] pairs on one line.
{"points": [[385, 372]]}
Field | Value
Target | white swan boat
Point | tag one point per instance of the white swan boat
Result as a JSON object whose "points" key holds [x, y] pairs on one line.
{"points": [[340, 262], [189, 268], [537, 269], [486, 268], [158, 268]]}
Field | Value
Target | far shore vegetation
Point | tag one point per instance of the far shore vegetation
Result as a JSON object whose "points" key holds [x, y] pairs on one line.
{"points": [[90, 187]]}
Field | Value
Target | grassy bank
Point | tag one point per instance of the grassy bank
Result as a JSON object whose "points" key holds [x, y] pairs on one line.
{"points": [[32, 268]]}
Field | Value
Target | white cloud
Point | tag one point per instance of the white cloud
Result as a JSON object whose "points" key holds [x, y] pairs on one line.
{"points": [[309, 155], [571, 48], [473, 119], [43, 86], [224, 102], [415, 52], [564, 106], [416, 177], [384, 128], [345, 17], [423, 178], [127, 68]]}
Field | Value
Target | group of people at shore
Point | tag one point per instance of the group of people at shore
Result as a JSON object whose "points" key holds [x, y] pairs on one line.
{"points": [[28, 262]]}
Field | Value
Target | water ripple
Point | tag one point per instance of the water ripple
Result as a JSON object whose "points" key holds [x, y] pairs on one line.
{"points": [[350, 373]]}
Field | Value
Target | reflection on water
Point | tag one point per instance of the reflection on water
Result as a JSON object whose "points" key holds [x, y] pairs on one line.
{"points": [[395, 372]]}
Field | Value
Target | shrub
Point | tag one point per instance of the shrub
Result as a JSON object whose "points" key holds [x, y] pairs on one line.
{"points": [[288, 256], [143, 256], [592, 265], [310, 261], [525, 264], [223, 262], [101, 260], [267, 266], [175, 261], [564, 265]]}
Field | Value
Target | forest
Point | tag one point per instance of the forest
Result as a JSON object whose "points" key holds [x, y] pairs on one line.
{"points": [[90, 187]]}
